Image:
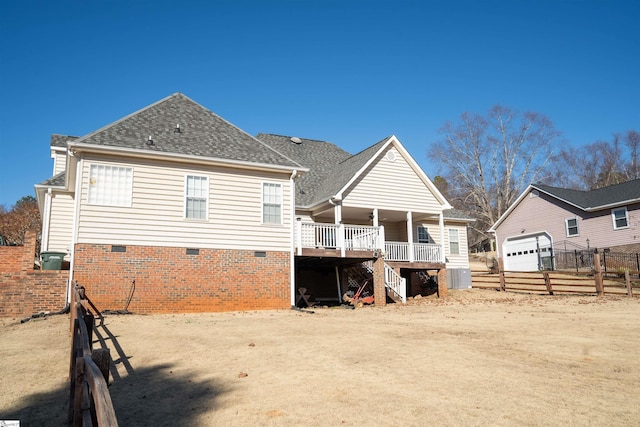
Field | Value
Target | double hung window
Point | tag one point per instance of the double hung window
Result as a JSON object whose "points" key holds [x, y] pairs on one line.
{"points": [[271, 203], [571, 227], [454, 242], [196, 197], [620, 218], [423, 235]]}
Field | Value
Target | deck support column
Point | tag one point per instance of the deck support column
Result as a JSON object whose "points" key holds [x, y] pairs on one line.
{"points": [[379, 290], [442, 283], [412, 256]]}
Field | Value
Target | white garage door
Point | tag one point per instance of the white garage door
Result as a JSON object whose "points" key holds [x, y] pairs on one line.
{"points": [[521, 253]]}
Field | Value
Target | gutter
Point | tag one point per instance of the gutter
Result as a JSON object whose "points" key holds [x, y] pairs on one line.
{"points": [[184, 158], [292, 238]]}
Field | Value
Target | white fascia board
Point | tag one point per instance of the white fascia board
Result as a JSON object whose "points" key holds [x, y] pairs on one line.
{"points": [[510, 209], [416, 168], [612, 205], [355, 176], [182, 158]]}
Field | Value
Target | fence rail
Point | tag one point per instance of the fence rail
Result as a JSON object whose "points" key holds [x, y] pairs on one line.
{"points": [[89, 399], [598, 281], [553, 282]]}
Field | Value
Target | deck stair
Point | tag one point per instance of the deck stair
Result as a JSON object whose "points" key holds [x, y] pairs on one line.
{"points": [[395, 284]]}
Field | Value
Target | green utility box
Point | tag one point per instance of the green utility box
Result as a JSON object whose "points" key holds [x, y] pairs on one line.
{"points": [[52, 260]]}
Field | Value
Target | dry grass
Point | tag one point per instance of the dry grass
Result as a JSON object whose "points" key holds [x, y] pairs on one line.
{"points": [[475, 358]]}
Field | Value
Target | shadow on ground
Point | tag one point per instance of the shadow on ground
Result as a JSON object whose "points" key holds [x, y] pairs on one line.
{"points": [[159, 396], [40, 409], [150, 396], [153, 396]]}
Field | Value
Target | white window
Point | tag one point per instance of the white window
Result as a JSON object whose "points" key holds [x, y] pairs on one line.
{"points": [[571, 226], [454, 243], [620, 218], [196, 195], [110, 185], [423, 235], [271, 203]]}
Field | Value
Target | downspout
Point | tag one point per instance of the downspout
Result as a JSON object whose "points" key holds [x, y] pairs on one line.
{"points": [[46, 222], [337, 209], [292, 257], [76, 216]]}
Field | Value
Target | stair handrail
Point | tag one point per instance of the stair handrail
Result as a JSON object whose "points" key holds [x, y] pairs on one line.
{"points": [[395, 282]]}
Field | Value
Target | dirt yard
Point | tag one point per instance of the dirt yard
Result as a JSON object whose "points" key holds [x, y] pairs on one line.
{"points": [[477, 358]]}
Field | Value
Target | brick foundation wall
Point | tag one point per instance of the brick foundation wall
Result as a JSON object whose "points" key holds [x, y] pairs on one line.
{"points": [[25, 291], [168, 280]]}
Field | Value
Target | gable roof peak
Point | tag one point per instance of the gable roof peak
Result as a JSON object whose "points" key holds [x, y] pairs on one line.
{"points": [[177, 125]]}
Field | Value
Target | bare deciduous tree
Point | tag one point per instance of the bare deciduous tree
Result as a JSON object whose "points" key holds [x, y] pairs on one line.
{"points": [[24, 215], [488, 160], [600, 164]]}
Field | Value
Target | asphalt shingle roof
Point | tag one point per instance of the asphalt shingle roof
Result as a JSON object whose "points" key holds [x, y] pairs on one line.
{"points": [[330, 167], [58, 180], [320, 157], [61, 140], [202, 133], [593, 199]]}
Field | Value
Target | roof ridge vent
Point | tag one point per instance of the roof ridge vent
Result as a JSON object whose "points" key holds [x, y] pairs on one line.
{"points": [[296, 140]]}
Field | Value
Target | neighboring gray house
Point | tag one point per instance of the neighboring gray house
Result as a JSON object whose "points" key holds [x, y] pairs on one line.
{"points": [[545, 219], [205, 217]]}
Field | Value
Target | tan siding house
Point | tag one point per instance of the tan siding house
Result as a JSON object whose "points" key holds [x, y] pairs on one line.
{"points": [[172, 208]]}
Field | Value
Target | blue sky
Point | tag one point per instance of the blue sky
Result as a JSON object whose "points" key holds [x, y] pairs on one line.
{"points": [[350, 72]]}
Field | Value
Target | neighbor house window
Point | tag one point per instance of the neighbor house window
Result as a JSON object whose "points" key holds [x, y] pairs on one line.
{"points": [[196, 194], [620, 218], [110, 185], [271, 203], [454, 243], [572, 226], [423, 235]]}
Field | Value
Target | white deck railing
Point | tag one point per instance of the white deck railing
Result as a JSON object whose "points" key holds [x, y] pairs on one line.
{"points": [[416, 252], [362, 237], [338, 236], [396, 283]]}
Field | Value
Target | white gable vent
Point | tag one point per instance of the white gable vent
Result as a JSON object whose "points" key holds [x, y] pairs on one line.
{"points": [[296, 140], [391, 156]]}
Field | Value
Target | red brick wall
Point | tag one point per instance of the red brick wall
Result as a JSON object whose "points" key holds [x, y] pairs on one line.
{"points": [[25, 291], [11, 258], [167, 280]]}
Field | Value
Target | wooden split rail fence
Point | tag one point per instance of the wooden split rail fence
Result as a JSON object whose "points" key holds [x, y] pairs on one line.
{"points": [[558, 282], [89, 400]]}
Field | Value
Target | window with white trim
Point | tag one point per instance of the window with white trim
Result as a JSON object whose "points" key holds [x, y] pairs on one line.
{"points": [[571, 225], [423, 235], [110, 185], [454, 242], [620, 218], [271, 203], [196, 196]]}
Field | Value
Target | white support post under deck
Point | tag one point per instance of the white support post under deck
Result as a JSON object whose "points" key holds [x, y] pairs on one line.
{"points": [[441, 222], [412, 257], [340, 240], [299, 235]]}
